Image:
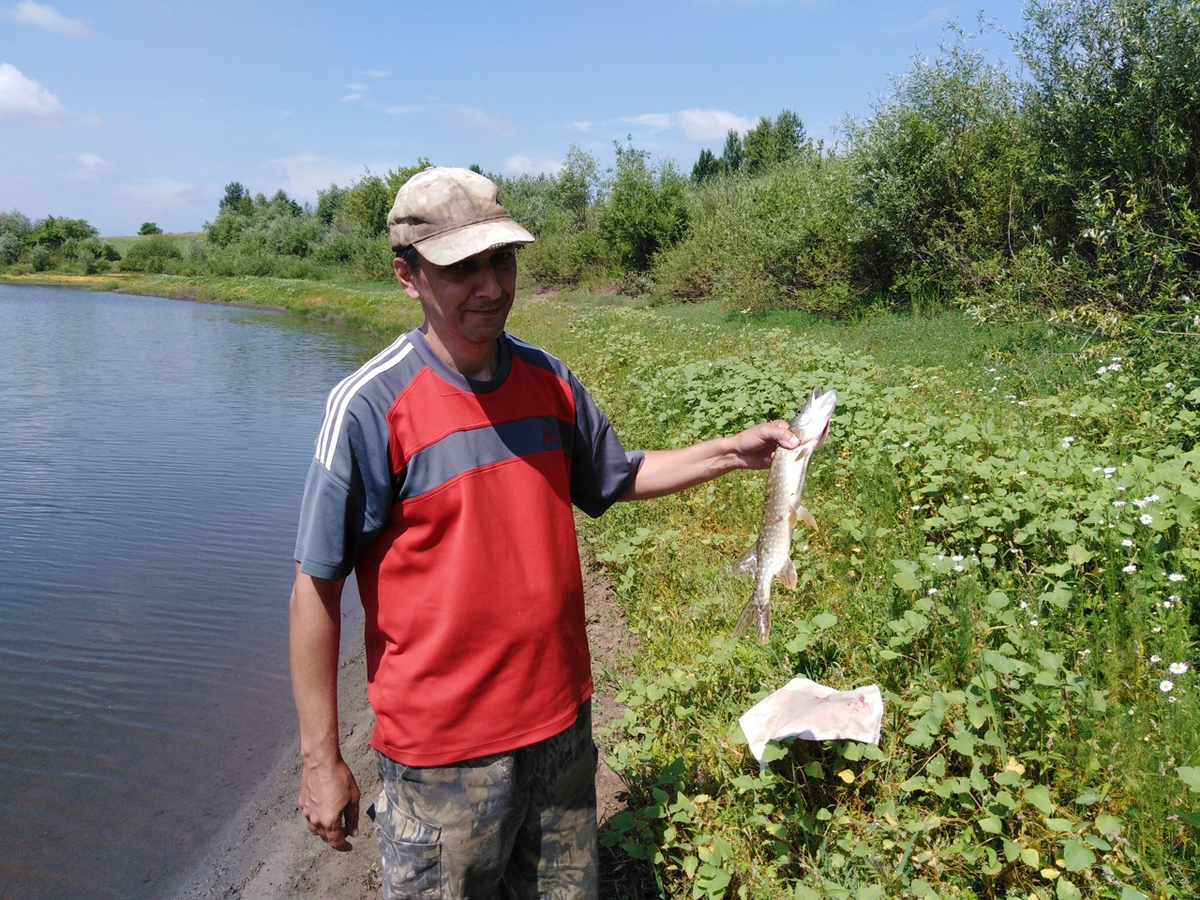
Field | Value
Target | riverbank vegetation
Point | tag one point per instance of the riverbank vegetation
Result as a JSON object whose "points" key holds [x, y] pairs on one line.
{"points": [[1069, 191], [997, 276]]}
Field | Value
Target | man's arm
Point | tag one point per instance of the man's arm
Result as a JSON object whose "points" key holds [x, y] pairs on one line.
{"points": [[669, 471], [328, 792]]}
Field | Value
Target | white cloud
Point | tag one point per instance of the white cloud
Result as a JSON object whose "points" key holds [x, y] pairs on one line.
{"points": [[579, 126], [88, 165], [159, 191], [697, 124], [302, 176], [41, 15], [524, 165], [21, 96], [402, 110], [374, 73], [350, 97], [478, 120], [356, 87]]}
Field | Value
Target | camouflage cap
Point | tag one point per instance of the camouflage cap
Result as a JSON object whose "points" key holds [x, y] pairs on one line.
{"points": [[450, 214]]}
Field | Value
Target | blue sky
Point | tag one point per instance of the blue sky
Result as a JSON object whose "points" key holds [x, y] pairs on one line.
{"points": [[131, 111]]}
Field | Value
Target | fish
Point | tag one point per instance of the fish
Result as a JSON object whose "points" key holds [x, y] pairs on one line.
{"points": [[770, 557]]}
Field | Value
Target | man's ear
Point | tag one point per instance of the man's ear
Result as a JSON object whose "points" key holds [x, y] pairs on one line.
{"points": [[405, 276]]}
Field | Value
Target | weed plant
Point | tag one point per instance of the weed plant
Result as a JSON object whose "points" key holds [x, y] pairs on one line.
{"points": [[1008, 548]]}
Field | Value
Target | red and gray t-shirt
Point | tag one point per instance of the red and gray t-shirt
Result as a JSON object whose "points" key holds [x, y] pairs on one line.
{"points": [[451, 500]]}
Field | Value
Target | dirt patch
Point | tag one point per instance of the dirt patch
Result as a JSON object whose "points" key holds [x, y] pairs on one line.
{"points": [[266, 853]]}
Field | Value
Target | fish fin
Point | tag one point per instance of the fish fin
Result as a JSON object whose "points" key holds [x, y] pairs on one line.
{"points": [[788, 575], [759, 615], [792, 518], [748, 561], [806, 517]]}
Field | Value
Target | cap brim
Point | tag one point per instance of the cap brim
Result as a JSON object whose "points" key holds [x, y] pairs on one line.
{"points": [[447, 249]]}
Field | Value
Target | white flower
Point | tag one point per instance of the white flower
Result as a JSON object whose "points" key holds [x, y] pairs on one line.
{"points": [[1174, 576], [1102, 370], [1174, 597], [958, 568], [1166, 604], [932, 591], [1067, 441], [1024, 605], [1139, 503], [1152, 498], [1118, 503], [1146, 518], [1170, 385], [1033, 622], [1127, 543], [957, 557], [916, 509], [1132, 567], [1155, 658], [1157, 629], [1165, 686], [1109, 471], [1115, 367], [1178, 668]]}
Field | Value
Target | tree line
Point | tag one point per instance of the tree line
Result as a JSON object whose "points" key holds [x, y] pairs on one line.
{"points": [[1072, 190]]}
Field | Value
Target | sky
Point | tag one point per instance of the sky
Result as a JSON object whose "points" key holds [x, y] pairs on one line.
{"points": [[132, 111]]}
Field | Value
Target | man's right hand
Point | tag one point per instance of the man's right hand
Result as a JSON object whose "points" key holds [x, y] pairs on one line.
{"points": [[329, 799]]}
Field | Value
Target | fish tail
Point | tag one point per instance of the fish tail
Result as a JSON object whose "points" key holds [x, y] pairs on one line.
{"points": [[757, 614]]}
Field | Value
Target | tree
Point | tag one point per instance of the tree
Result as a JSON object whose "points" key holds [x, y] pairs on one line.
{"points": [[149, 228], [646, 209], [577, 185], [733, 154], [236, 199], [707, 166], [53, 232], [769, 144]]}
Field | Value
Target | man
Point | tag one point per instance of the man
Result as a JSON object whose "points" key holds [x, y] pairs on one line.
{"points": [[444, 476]]}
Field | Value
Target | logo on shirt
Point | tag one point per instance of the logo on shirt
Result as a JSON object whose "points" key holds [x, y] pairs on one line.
{"points": [[551, 440]]}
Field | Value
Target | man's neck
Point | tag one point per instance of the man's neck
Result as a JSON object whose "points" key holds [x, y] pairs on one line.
{"points": [[479, 363]]}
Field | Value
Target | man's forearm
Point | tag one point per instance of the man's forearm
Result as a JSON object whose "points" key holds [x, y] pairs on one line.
{"points": [[315, 617], [668, 471]]}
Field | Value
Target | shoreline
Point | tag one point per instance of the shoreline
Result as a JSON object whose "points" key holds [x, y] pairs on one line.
{"points": [[265, 851]]}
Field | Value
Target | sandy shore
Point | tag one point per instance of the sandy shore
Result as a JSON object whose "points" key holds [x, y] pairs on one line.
{"points": [[266, 852]]}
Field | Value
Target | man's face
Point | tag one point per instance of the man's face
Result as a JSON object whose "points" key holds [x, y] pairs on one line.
{"points": [[466, 303]]}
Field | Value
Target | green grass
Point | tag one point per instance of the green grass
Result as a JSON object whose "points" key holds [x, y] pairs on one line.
{"points": [[1008, 547]]}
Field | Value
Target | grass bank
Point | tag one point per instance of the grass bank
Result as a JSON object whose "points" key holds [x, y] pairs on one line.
{"points": [[1009, 547]]}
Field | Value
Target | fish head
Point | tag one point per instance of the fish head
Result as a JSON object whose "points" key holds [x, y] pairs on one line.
{"points": [[812, 420]]}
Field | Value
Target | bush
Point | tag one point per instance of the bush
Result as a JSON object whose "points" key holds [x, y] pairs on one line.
{"points": [[154, 253], [775, 241], [645, 211], [935, 176]]}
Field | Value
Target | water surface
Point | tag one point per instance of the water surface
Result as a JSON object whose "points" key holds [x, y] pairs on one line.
{"points": [[152, 456]]}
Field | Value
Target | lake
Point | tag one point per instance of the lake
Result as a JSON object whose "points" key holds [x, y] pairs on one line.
{"points": [[152, 458]]}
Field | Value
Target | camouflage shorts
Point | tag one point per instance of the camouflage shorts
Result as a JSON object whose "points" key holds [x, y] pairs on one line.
{"points": [[512, 826]]}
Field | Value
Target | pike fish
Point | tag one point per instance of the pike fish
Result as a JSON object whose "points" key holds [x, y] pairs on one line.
{"points": [[770, 557]]}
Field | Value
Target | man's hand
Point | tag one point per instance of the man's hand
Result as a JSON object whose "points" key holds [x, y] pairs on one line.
{"points": [[329, 800], [755, 446]]}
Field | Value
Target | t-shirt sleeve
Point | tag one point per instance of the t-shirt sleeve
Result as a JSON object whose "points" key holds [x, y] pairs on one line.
{"points": [[347, 494], [601, 470]]}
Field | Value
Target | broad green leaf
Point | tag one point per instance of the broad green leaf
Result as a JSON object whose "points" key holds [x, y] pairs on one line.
{"points": [[991, 825], [1190, 775], [1038, 797], [1077, 857], [824, 620], [1106, 824], [1128, 893], [906, 581]]}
